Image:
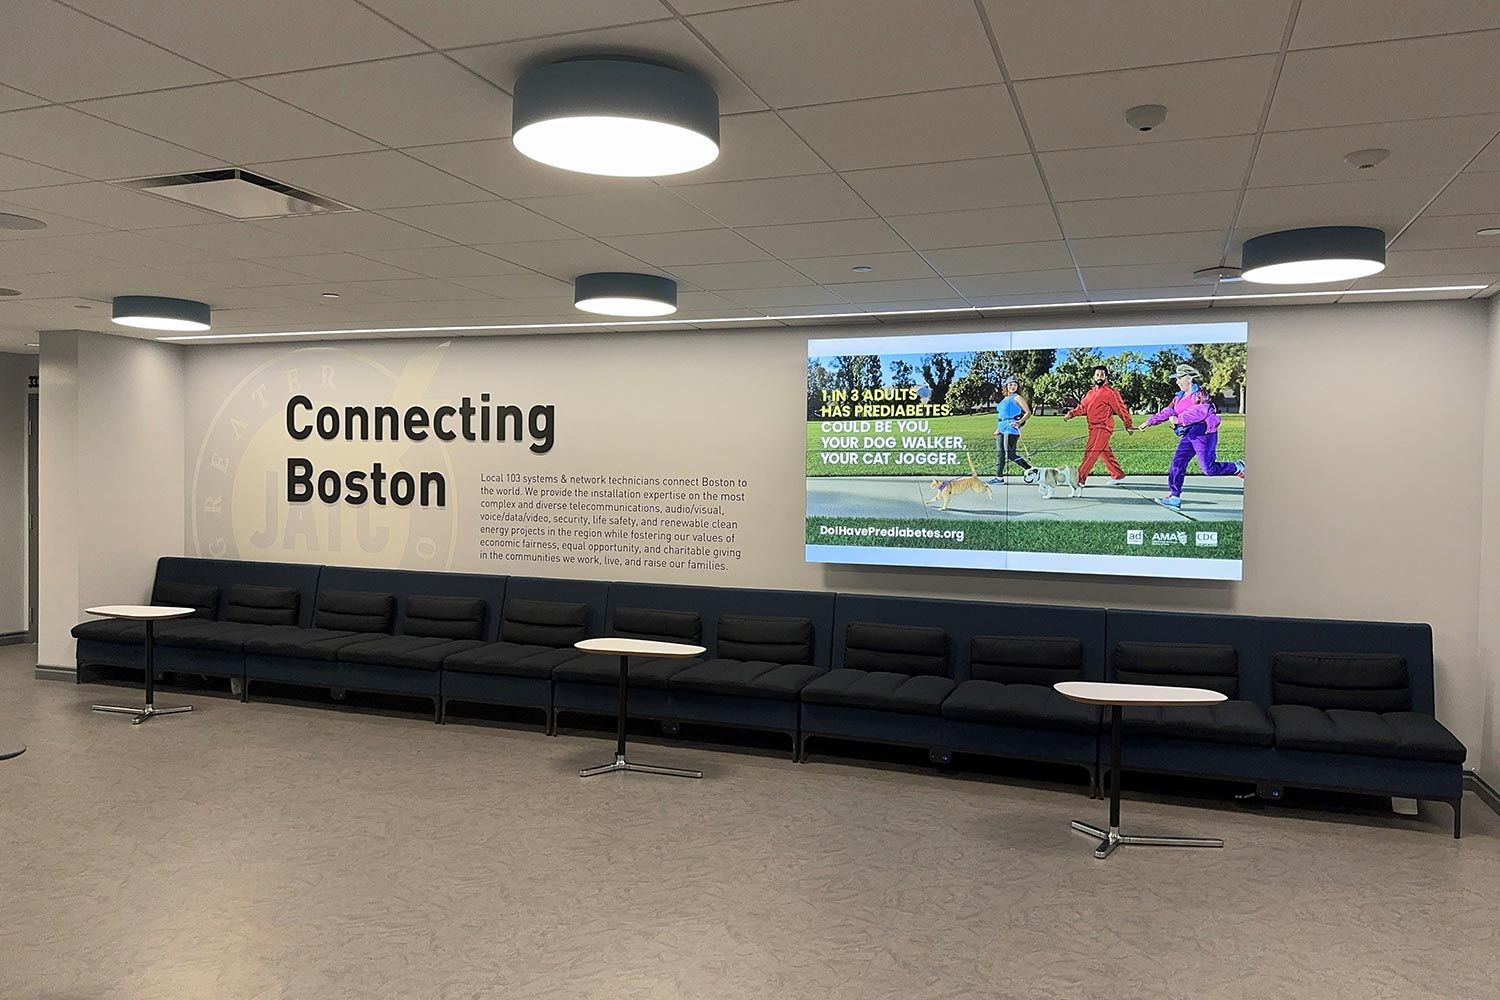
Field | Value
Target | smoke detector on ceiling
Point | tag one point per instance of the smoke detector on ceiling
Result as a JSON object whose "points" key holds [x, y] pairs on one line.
{"points": [[1366, 159], [238, 194], [1145, 117]]}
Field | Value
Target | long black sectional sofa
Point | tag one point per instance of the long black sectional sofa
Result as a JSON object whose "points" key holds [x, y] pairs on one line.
{"points": [[1332, 705]]}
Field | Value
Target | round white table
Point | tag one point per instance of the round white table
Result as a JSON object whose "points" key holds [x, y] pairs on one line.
{"points": [[1116, 697], [150, 615], [625, 649]]}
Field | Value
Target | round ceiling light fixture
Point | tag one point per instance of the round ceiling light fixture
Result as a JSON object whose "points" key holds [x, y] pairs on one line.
{"points": [[615, 115], [154, 312], [9, 221], [1314, 255], [620, 293]]}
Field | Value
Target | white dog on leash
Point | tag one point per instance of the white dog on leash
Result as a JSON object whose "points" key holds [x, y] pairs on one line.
{"points": [[1050, 479]]}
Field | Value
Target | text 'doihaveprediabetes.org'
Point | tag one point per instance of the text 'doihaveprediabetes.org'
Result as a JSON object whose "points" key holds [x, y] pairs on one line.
{"points": [[684, 523]]}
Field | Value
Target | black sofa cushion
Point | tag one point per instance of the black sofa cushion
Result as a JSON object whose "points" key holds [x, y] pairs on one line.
{"points": [[203, 598], [1180, 664], [129, 632], [544, 623], [1242, 723], [222, 637], [745, 678], [901, 649], [253, 605], [1402, 735], [445, 617], [1043, 660], [1028, 706], [645, 672], [354, 611], [513, 659], [413, 652], [662, 626], [303, 643], [884, 690], [1370, 682], [768, 640]]}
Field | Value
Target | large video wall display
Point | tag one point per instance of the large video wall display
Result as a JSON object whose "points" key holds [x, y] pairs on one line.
{"points": [[1105, 450]]}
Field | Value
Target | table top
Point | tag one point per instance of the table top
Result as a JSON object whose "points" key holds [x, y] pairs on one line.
{"points": [[1102, 693], [7, 751], [140, 612], [638, 647]]}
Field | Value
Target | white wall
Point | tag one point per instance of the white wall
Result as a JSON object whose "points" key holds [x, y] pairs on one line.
{"points": [[1363, 497], [1488, 651], [15, 370], [112, 467]]}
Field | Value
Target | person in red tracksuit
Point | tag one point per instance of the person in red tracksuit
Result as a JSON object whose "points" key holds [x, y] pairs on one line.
{"points": [[1100, 406]]}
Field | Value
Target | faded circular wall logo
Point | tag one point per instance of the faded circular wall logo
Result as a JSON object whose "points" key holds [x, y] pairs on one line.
{"points": [[239, 507]]}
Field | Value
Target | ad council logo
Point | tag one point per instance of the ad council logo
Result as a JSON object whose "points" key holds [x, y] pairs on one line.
{"points": [[1135, 536], [1207, 539]]}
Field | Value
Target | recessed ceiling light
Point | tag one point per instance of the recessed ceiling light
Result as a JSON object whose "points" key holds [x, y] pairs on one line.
{"points": [[330, 295], [617, 116], [154, 312], [1488, 231], [619, 293], [7, 292], [9, 221], [861, 269], [82, 307], [1314, 255]]}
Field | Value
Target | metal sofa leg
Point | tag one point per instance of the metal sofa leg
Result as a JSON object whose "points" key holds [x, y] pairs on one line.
{"points": [[1458, 816], [801, 755], [796, 747], [439, 711], [1096, 783]]}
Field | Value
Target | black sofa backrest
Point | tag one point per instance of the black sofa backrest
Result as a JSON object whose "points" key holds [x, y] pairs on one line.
{"points": [[355, 611], [1180, 664], [225, 574], [716, 604], [899, 649], [203, 598], [656, 624], [765, 639], [406, 585], [255, 605], [544, 623], [1026, 659], [965, 621], [437, 617], [1371, 682]]}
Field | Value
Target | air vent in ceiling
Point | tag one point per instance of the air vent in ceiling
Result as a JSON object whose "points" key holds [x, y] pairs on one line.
{"points": [[238, 194]]}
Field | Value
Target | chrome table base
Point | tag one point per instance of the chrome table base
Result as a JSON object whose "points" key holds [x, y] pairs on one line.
{"points": [[1112, 838], [621, 764], [149, 710]]}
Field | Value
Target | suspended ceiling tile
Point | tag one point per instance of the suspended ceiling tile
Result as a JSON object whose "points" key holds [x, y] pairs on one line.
{"points": [[566, 258], [704, 246], [415, 101], [12, 99], [825, 239], [526, 285], [332, 267], [837, 50], [981, 227], [1173, 213], [912, 128], [944, 187], [236, 239], [1200, 249], [663, 41], [776, 201], [355, 232], [483, 222], [1088, 36], [228, 121], [1203, 100], [496, 166], [748, 274], [988, 286], [111, 206], [1162, 168], [1387, 81], [1344, 22], [266, 36], [1421, 148], [378, 180], [1469, 194], [758, 144], [1002, 259], [447, 25], [622, 213], [893, 291], [883, 267], [1450, 232], [73, 141], [16, 174], [1125, 276], [447, 262], [793, 296], [1386, 204]]}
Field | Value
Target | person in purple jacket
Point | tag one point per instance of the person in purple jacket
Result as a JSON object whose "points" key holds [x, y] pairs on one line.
{"points": [[1193, 418]]}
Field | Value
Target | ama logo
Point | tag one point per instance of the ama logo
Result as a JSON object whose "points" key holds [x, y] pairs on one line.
{"points": [[1168, 538]]}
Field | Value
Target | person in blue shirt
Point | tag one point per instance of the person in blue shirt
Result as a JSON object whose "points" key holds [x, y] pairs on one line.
{"points": [[1011, 414]]}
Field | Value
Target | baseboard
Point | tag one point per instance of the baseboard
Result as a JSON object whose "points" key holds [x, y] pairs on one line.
{"points": [[13, 638], [1483, 789], [69, 674]]}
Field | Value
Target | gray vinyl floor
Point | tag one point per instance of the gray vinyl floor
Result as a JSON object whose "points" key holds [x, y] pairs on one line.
{"points": [[293, 852]]}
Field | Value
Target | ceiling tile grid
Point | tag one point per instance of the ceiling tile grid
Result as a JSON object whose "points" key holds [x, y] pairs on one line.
{"points": [[965, 152]]}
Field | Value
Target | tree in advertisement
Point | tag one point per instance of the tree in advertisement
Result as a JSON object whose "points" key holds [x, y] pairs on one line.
{"points": [[939, 371], [1028, 366], [1159, 387], [903, 375], [819, 381], [1226, 369], [1073, 375]]}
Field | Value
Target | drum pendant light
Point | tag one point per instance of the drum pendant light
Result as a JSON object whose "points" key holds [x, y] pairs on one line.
{"points": [[1311, 256], [153, 312], [620, 293], [617, 116]]}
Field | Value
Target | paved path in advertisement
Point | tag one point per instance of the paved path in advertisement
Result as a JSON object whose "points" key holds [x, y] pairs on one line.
{"points": [[1203, 499]]}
